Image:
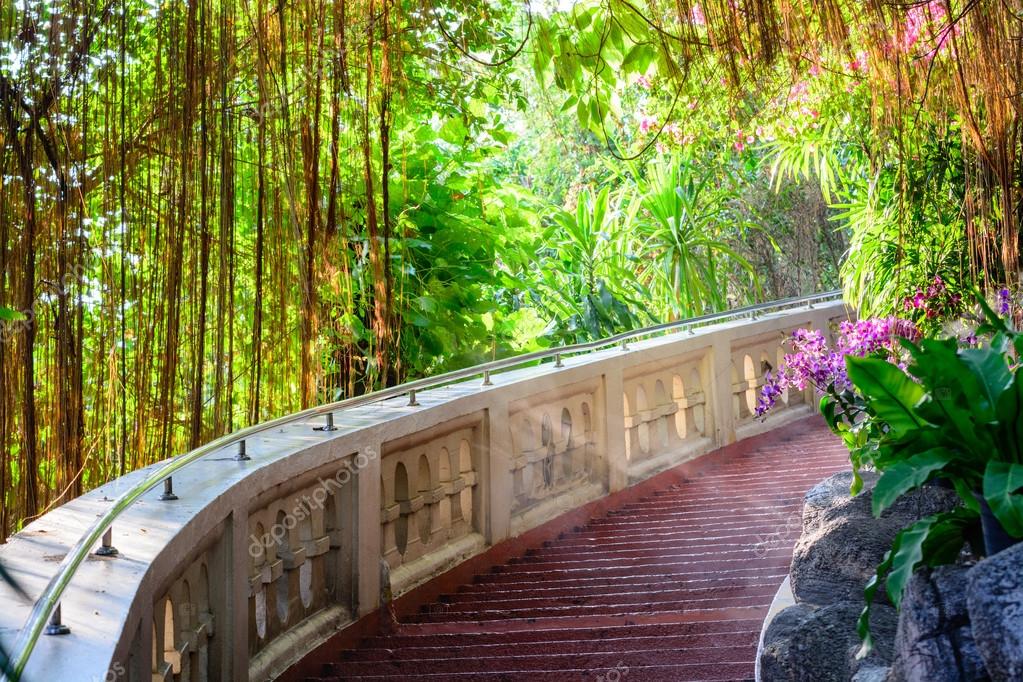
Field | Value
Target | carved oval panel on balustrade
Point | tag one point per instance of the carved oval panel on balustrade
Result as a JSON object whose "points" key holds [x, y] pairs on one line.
{"points": [[430, 489], [555, 443], [183, 622], [751, 360], [665, 408], [300, 550]]}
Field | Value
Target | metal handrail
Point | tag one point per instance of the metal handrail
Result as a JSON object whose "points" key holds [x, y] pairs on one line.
{"points": [[50, 598]]}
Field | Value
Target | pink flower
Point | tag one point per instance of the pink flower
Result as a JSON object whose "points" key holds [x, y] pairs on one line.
{"points": [[742, 139], [697, 16], [798, 91], [815, 70], [647, 123], [859, 64], [644, 82], [927, 19]]}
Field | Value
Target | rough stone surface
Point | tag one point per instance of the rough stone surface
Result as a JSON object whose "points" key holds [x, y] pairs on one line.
{"points": [[934, 640], [842, 543], [871, 673], [994, 594], [830, 494], [819, 644]]}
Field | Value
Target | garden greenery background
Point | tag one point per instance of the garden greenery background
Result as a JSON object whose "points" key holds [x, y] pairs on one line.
{"points": [[217, 211]]}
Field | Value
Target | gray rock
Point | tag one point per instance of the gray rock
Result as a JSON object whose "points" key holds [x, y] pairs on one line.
{"points": [[934, 640], [810, 644], [830, 494], [871, 673], [994, 595], [842, 543]]}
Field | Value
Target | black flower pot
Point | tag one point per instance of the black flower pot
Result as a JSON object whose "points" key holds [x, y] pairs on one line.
{"points": [[995, 537], [939, 482]]}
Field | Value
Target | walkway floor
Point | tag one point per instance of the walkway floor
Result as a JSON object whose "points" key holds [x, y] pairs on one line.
{"points": [[673, 586]]}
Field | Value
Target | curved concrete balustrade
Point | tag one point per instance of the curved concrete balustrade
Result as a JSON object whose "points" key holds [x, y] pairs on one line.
{"points": [[260, 561]]}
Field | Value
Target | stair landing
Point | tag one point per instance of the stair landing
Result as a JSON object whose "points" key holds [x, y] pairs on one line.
{"points": [[671, 585]]}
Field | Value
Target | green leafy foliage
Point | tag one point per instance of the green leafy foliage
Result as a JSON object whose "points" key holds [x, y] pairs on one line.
{"points": [[685, 213], [934, 540], [586, 283], [891, 395], [955, 413], [907, 475], [1003, 485]]}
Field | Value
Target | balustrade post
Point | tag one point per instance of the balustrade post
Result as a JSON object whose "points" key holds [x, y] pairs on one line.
{"points": [[234, 628], [369, 553], [496, 475], [614, 425], [720, 389]]}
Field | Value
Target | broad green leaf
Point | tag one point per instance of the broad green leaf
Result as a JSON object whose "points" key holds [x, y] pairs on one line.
{"points": [[453, 131], [991, 369], [965, 492], [828, 405], [930, 540], [934, 540], [1009, 411], [953, 389], [638, 59], [891, 394], [907, 475], [1003, 482]]}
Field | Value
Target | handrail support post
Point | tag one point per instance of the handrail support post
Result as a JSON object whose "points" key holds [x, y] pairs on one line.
{"points": [[55, 627], [168, 489], [107, 548], [242, 455], [329, 426]]}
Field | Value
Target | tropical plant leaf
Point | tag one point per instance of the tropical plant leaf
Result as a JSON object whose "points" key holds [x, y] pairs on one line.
{"points": [[1002, 484], [991, 370], [993, 323], [891, 394], [953, 391], [935, 540], [1009, 412], [907, 475]]}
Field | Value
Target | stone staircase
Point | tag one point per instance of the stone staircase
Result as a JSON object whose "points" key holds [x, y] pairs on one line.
{"points": [[673, 586]]}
